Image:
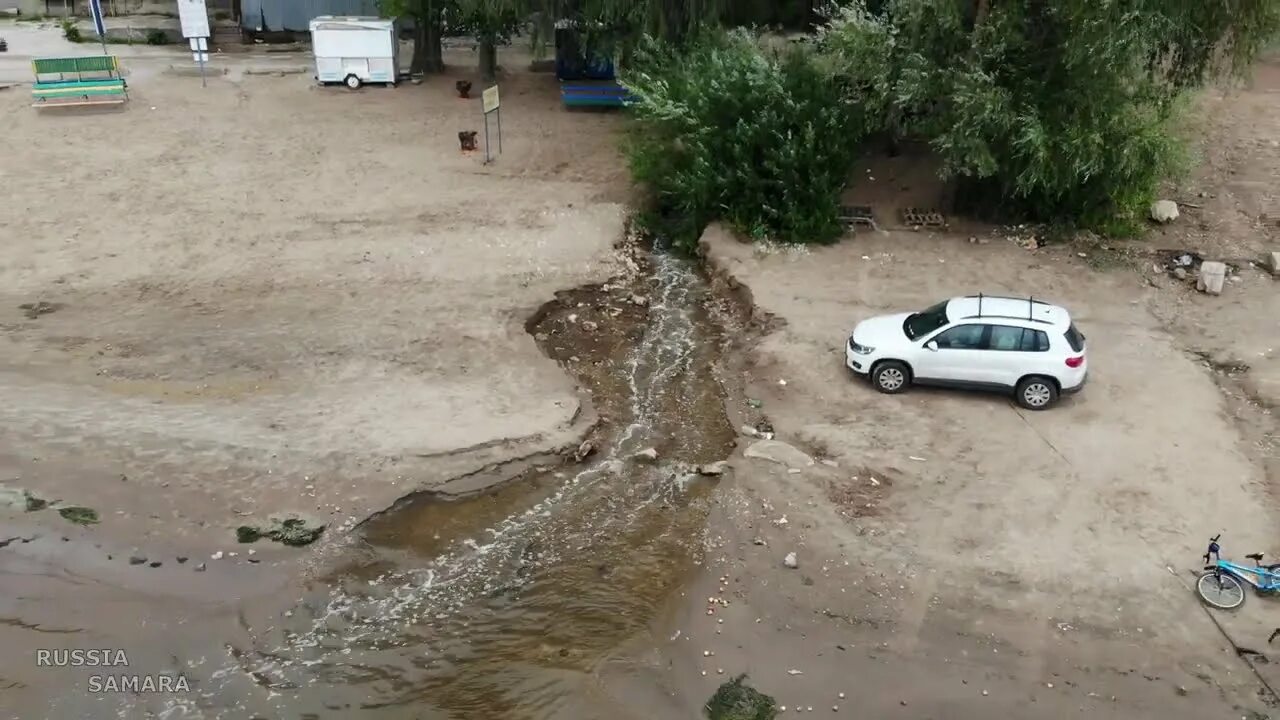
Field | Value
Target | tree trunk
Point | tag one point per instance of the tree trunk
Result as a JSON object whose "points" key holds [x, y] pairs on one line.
{"points": [[488, 60], [980, 12], [428, 52], [419, 63], [435, 44]]}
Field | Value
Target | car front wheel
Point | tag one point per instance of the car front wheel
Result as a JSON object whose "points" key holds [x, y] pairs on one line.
{"points": [[1036, 393], [890, 377]]}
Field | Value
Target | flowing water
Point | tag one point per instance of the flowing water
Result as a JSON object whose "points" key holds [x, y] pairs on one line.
{"points": [[502, 606]]}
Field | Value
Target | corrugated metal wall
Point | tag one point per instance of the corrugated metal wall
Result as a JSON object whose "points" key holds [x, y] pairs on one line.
{"points": [[295, 15]]}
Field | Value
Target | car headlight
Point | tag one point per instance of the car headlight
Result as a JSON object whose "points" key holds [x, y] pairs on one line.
{"points": [[860, 349]]}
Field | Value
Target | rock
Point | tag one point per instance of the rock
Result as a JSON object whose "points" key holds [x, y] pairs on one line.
{"points": [[541, 337], [136, 559], [248, 534], [1272, 262], [749, 431], [79, 515], [1180, 273], [716, 468], [778, 452], [295, 530], [216, 556], [181, 559], [1164, 211], [584, 450], [1213, 275], [590, 325], [200, 567], [791, 561], [156, 563], [639, 300], [20, 499], [648, 455]]}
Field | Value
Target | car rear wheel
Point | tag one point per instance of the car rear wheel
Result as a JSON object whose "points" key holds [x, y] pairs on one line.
{"points": [[1036, 393], [890, 377]]}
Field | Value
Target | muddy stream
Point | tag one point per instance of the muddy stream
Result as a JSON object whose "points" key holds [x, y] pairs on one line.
{"points": [[505, 605]]}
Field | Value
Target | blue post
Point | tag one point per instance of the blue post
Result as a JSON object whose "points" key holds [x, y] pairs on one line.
{"points": [[95, 7]]}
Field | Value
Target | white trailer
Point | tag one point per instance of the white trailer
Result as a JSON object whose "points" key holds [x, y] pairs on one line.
{"points": [[355, 50]]}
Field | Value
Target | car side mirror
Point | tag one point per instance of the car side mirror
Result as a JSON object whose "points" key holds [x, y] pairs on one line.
{"points": [[932, 345]]}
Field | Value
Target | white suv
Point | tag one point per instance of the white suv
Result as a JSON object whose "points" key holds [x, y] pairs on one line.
{"points": [[1021, 345]]}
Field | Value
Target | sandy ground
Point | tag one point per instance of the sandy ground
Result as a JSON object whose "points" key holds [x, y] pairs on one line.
{"points": [[268, 296], [271, 296], [1002, 563]]}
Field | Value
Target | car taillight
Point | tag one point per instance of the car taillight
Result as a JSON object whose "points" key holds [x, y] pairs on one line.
{"points": [[1075, 362]]}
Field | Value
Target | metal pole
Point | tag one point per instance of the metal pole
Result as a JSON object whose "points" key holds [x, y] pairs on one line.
{"points": [[498, 112], [201, 55], [486, 138]]}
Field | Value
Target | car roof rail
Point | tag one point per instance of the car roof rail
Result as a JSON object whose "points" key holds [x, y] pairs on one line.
{"points": [[1008, 317], [1031, 306]]}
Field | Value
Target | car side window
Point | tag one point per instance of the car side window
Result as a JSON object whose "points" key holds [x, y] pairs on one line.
{"points": [[962, 337], [1035, 341], [1007, 338]]}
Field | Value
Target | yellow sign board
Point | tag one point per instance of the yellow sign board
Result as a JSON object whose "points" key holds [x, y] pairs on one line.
{"points": [[490, 99]]}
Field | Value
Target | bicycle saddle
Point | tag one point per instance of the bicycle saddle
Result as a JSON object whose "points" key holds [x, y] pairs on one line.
{"points": [[1255, 556]]}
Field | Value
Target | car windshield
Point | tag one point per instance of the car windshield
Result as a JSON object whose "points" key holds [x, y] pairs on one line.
{"points": [[923, 323]]}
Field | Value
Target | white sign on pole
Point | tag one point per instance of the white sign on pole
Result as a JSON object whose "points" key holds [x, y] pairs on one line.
{"points": [[194, 17]]}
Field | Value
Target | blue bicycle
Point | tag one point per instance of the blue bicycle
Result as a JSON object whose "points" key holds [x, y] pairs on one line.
{"points": [[1221, 585]]}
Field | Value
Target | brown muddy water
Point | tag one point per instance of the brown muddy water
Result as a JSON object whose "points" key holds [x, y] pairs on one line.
{"points": [[505, 606]]}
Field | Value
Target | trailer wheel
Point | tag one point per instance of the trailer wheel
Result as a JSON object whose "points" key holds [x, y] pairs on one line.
{"points": [[353, 82]]}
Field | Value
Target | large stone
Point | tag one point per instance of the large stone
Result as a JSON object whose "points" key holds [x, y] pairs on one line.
{"points": [[1213, 275], [1164, 211], [778, 452], [1273, 262]]}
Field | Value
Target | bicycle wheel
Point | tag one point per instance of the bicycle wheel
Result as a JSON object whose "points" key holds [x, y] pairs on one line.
{"points": [[1220, 590]]}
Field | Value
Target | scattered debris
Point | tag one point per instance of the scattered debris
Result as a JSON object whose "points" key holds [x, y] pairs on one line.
{"points": [[467, 139], [36, 309], [590, 325], [1164, 211], [200, 567], [648, 455], [79, 515], [216, 556], [758, 541], [137, 559], [584, 450], [791, 561], [794, 671], [639, 300]]}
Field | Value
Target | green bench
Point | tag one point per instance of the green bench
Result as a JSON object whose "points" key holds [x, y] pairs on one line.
{"points": [[91, 80]]}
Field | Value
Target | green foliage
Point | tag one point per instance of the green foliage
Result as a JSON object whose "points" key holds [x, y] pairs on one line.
{"points": [[1060, 112], [729, 129], [156, 36], [735, 700], [70, 31]]}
